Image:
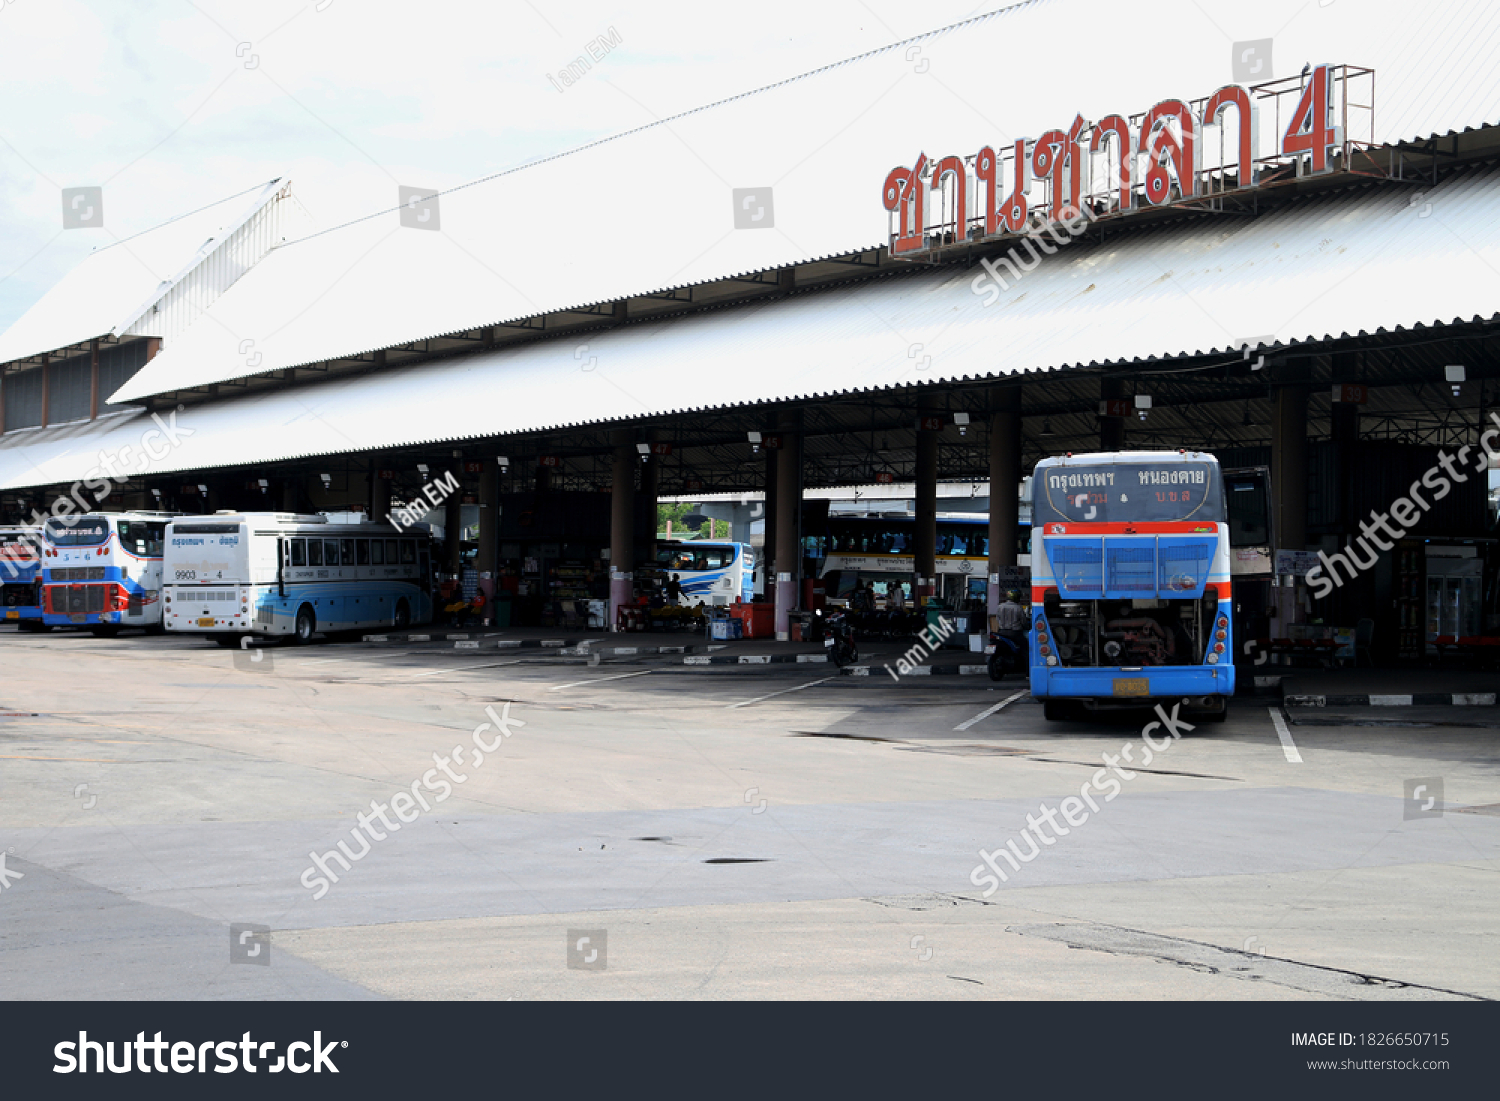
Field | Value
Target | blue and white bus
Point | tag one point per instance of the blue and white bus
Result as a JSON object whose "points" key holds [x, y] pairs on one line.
{"points": [[1130, 583], [102, 571], [281, 574], [710, 571], [21, 576]]}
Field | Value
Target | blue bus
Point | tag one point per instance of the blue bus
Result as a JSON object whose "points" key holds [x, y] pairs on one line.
{"points": [[1130, 576], [710, 571], [102, 571], [881, 552], [276, 573], [21, 576]]}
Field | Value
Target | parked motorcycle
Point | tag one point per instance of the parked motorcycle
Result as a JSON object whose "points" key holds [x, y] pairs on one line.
{"points": [[838, 637], [1006, 656]]}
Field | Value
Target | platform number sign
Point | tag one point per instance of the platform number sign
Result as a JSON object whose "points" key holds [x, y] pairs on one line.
{"points": [[549, 460], [661, 449], [930, 424], [1309, 131], [884, 477], [471, 467], [1115, 407]]}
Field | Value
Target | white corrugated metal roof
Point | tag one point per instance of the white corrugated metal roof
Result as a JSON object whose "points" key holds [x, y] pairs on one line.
{"points": [[651, 209], [116, 285], [1345, 263]]}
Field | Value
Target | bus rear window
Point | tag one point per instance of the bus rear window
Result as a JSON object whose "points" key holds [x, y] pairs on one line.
{"points": [[83, 533]]}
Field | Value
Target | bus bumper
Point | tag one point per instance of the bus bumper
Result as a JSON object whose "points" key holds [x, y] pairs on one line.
{"points": [[1119, 686]]}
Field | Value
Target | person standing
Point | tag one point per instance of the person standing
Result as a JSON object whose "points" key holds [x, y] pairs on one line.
{"points": [[1011, 619]]}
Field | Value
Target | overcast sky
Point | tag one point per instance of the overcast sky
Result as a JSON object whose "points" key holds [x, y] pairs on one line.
{"points": [[170, 105]]}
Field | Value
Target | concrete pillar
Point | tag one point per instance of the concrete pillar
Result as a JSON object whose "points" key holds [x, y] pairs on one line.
{"points": [[453, 528], [380, 491], [1005, 479], [1344, 429], [925, 537], [1111, 429], [1288, 492], [488, 561], [93, 379], [290, 497], [768, 546], [787, 561], [1289, 467], [622, 525], [650, 479]]}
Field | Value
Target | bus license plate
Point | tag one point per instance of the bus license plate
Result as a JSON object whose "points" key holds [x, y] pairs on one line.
{"points": [[76, 618], [1132, 686], [208, 621], [827, 642], [12, 615]]}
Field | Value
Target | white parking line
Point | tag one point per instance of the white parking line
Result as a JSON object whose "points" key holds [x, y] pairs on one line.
{"points": [[1288, 746], [987, 712], [596, 680], [783, 692], [325, 661], [465, 668]]}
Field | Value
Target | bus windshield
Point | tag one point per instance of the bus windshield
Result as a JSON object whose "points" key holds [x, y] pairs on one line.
{"points": [[79, 533], [1129, 492]]}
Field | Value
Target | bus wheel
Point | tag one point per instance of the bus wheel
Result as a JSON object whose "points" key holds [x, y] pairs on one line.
{"points": [[306, 625], [403, 616]]}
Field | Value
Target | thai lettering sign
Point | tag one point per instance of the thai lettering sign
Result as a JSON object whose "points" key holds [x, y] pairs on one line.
{"points": [[1178, 151]]}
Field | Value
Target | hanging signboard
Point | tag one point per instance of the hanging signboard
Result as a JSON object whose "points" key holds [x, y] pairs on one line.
{"points": [[1178, 151]]}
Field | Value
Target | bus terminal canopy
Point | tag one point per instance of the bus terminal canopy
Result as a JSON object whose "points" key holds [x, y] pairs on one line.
{"points": [[1336, 266]]}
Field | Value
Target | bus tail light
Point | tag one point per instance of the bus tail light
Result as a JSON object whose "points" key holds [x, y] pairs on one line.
{"points": [[1222, 624], [1218, 647]]}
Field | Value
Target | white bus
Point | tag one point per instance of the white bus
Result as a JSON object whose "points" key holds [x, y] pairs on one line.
{"points": [[102, 571], [277, 573], [710, 571]]}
